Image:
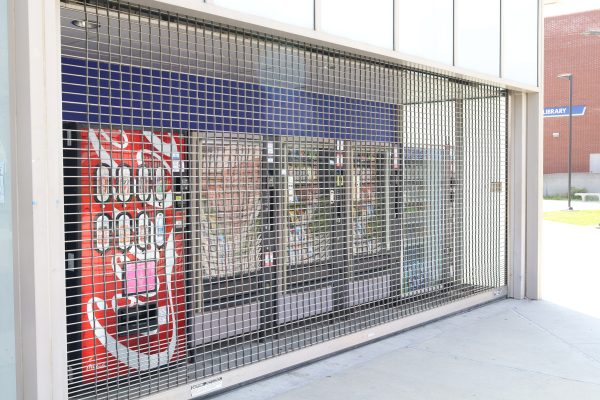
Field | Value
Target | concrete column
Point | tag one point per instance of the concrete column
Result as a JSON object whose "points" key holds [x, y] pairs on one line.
{"points": [[517, 164], [534, 166], [34, 31], [7, 317], [525, 195]]}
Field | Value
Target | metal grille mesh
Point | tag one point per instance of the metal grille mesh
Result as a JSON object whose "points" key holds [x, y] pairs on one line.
{"points": [[232, 196]]}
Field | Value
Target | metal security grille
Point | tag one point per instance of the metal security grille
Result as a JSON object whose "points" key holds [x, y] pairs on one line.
{"points": [[232, 196]]}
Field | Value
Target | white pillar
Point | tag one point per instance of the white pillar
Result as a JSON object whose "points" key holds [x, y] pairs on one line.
{"points": [[535, 156], [525, 193], [34, 31], [517, 177]]}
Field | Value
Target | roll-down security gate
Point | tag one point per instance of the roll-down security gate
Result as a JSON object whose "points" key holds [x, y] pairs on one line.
{"points": [[232, 196]]}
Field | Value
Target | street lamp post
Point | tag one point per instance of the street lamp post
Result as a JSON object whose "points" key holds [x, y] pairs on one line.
{"points": [[569, 76]]}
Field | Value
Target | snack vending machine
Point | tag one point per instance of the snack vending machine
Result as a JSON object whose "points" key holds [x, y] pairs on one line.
{"points": [[371, 222], [307, 271], [227, 215], [125, 251]]}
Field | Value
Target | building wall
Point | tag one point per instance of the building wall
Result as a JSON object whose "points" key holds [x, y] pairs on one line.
{"points": [[498, 38], [568, 50], [41, 278], [7, 320], [556, 184]]}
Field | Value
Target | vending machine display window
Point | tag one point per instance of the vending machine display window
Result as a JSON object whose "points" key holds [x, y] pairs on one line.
{"points": [[123, 227], [123, 182], [370, 189], [160, 184], [227, 228], [143, 182], [307, 266], [373, 267], [425, 210], [144, 232], [103, 183], [103, 233], [307, 203], [230, 208]]}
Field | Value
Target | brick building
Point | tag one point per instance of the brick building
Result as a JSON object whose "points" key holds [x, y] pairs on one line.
{"points": [[569, 48]]}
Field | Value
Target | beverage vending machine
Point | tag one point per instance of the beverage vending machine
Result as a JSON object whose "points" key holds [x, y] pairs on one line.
{"points": [[227, 234], [372, 261], [427, 224], [308, 253], [125, 221]]}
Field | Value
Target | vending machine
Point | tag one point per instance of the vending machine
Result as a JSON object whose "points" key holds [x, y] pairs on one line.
{"points": [[227, 234], [124, 227], [371, 222], [306, 273], [427, 207]]}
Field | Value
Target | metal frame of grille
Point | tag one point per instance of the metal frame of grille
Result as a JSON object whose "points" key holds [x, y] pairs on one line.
{"points": [[232, 196]]}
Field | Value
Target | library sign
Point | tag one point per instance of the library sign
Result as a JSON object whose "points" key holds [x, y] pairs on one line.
{"points": [[563, 111]]}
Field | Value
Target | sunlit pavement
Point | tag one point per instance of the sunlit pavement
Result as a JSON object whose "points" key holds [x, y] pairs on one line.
{"points": [[558, 205], [571, 260], [514, 349]]}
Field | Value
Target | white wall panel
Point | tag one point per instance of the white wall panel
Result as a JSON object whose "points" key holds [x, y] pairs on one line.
{"points": [[370, 22], [8, 368], [426, 29], [296, 12], [477, 35], [520, 40]]}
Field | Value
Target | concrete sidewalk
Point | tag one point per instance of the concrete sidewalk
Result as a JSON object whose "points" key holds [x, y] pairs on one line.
{"points": [[506, 350], [571, 267], [509, 349], [560, 205]]}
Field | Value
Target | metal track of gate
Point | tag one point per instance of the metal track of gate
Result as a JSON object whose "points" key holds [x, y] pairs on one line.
{"points": [[232, 196]]}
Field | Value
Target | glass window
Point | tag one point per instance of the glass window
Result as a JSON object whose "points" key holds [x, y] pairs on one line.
{"points": [[425, 29], [297, 12], [370, 22], [519, 40], [477, 35]]}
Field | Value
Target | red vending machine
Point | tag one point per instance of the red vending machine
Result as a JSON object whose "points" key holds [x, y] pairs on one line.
{"points": [[126, 229]]}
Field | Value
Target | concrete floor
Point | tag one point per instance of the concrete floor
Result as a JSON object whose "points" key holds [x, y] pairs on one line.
{"points": [[571, 263], [509, 349], [558, 205]]}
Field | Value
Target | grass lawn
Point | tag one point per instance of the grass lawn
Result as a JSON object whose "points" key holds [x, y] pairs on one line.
{"points": [[576, 217]]}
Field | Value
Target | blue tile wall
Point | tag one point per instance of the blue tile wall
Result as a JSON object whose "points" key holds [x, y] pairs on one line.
{"points": [[106, 93]]}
